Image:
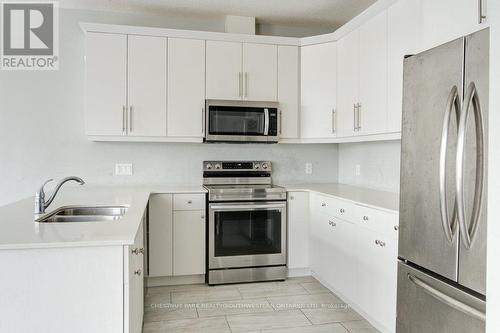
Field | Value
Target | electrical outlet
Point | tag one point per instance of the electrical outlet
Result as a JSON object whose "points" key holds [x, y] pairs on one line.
{"points": [[123, 169], [358, 170], [309, 168]]}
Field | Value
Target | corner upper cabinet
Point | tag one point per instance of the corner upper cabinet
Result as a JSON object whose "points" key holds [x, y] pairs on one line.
{"points": [[348, 84], [186, 88], [125, 85], [318, 90], [372, 109], [105, 84], [288, 90], [241, 71]]}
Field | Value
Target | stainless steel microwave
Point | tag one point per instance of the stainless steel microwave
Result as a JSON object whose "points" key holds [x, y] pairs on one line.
{"points": [[242, 121]]}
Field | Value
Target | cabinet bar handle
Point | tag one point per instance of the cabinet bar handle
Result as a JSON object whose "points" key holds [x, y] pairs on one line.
{"points": [[131, 117], [482, 15], [280, 121], [359, 117], [333, 121], [246, 84], [124, 116], [203, 121], [354, 106], [240, 76]]}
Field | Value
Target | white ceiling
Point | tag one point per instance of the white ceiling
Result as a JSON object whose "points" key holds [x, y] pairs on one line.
{"points": [[314, 13]]}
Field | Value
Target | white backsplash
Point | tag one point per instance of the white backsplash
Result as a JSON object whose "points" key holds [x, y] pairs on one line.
{"points": [[378, 163]]}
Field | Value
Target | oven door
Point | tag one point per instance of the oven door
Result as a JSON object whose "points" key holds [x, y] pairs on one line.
{"points": [[236, 122], [247, 234]]}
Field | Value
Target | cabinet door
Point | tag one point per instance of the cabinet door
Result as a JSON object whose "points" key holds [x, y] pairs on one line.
{"points": [[341, 259], [348, 83], [105, 84], [318, 90], [189, 242], [298, 230], [186, 87], [446, 20], [134, 284], [223, 69], [378, 267], [404, 38], [372, 114], [147, 86], [160, 235], [260, 72], [288, 91]]}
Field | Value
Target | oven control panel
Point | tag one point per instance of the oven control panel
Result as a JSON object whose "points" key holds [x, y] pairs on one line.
{"points": [[237, 166]]}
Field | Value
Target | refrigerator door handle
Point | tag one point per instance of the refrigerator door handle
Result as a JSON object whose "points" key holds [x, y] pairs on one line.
{"points": [[468, 233], [449, 228], [446, 299]]}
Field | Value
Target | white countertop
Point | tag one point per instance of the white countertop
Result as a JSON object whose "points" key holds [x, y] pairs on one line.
{"points": [[368, 197], [19, 231]]}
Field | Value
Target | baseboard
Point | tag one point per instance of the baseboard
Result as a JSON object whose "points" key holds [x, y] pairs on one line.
{"points": [[297, 272], [370, 319], [162, 281]]}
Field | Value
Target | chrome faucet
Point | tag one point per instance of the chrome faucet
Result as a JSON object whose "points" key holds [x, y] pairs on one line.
{"points": [[41, 204]]}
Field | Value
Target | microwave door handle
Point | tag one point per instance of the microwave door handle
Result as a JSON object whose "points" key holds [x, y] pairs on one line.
{"points": [[266, 121]]}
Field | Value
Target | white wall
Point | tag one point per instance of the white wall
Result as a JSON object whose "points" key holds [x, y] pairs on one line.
{"points": [[493, 284], [42, 127], [379, 164]]}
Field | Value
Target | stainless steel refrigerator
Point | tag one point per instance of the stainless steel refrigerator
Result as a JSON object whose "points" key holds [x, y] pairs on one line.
{"points": [[442, 236]]}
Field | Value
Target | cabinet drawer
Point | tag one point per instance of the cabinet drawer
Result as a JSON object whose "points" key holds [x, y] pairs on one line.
{"points": [[379, 221], [333, 207], [189, 201]]}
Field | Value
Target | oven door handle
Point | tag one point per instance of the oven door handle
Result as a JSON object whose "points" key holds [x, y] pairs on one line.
{"points": [[246, 207], [266, 121]]}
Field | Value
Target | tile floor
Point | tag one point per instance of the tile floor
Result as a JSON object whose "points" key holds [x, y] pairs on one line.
{"points": [[297, 305]]}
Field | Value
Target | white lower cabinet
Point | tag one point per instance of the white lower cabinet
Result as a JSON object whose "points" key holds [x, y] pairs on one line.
{"points": [[176, 236], [134, 283], [189, 242], [376, 278], [160, 235], [353, 249], [298, 230]]}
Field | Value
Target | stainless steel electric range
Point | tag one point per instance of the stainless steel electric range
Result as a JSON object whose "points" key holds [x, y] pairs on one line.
{"points": [[246, 231]]}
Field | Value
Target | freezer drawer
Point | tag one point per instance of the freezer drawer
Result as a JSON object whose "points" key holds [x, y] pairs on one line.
{"points": [[426, 304]]}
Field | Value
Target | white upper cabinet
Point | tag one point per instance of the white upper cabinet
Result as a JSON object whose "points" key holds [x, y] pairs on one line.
{"points": [[238, 71], [147, 86], [362, 79], [348, 84], [318, 90], [224, 75], [372, 109], [288, 91], [404, 38], [186, 87], [260, 72], [445, 20], [106, 84], [111, 67]]}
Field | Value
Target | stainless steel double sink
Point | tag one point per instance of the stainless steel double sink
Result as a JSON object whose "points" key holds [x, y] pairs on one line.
{"points": [[84, 214]]}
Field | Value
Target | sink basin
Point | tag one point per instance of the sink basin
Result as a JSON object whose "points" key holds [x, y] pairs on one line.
{"points": [[84, 214]]}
